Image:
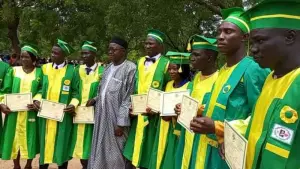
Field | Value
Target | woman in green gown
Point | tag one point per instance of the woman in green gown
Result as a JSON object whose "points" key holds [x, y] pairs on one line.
{"points": [[168, 131], [20, 130]]}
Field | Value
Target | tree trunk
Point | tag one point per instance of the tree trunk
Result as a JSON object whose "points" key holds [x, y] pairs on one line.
{"points": [[13, 35]]}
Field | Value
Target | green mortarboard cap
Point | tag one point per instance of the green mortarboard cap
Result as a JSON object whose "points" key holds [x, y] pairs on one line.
{"points": [[88, 45], [156, 34], [65, 47], [179, 58], [202, 42], [32, 48], [234, 15], [275, 14]]}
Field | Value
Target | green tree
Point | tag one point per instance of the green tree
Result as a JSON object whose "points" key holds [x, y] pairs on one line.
{"points": [[43, 21]]}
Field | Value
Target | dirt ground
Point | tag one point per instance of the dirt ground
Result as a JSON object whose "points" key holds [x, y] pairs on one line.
{"points": [[73, 164]]}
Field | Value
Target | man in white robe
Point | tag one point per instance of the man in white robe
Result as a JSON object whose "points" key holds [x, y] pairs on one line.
{"points": [[112, 119]]}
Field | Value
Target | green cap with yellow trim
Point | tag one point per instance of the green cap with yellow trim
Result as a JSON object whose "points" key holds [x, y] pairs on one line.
{"points": [[234, 15], [157, 34], [65, 47], [178, 57], [32, 48], [275, 14], [202, 42], [88, 45]]}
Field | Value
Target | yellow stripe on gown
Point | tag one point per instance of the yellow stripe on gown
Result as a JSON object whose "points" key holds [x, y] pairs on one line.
{"points": [[186, 149], [20, 141], [164, 126], [224, 74], [145, 79], [87, 80], [55, 81]]}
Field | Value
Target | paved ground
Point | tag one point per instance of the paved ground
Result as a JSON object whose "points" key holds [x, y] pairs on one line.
{"points": [[73, 164]]}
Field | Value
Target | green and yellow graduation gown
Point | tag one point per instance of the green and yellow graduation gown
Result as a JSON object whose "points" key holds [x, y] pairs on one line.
{"points": [[4, 68], [59, 85], [21, 128], [82, 133], [200, 90], [142, 133], [274, 131], [163, 155], [233, 97]]}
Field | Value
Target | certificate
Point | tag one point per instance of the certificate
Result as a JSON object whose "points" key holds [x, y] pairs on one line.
{"points": [[170, 100], [52, 110], [154, 100], [189, 108], [139, 103], [18, 102], [235, 147], [84, 115]]}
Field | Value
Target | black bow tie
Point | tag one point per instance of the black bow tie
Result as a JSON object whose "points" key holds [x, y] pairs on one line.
{"points": [[148, 59], [88, 70]]}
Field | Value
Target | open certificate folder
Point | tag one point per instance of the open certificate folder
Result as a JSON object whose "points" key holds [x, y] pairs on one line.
{"points": [[154, 100], [189, 108], [84, 115], [139, 103], [235, 147], [170, 100], [52, 110], [18, 101]]}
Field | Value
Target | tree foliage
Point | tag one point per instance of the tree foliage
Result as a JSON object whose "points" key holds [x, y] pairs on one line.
{"points": [[43, 21]]}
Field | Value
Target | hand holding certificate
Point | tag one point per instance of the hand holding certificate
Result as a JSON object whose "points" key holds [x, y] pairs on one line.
{"points": [[154, 100], [170, 100], [84, 115], [235, 147], [18, 102], [139, 103], [189, 108], [52, 110]]}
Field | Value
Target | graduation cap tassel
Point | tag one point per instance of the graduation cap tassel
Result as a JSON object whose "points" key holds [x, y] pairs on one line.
{"points": [[180, 69], [189, 47]]}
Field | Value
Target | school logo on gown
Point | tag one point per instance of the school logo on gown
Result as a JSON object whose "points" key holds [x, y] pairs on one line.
{"points": [[226, 88], [155, 84], [282, 134], [288, 115], [67, 82]]}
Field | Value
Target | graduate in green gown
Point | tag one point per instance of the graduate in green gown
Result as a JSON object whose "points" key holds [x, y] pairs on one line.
{"points": [[4, 69], [203, 58], [90, 75], [236, 89], [166, 140], [60, 84], [151, 72], [274, 131], [20, 130]]}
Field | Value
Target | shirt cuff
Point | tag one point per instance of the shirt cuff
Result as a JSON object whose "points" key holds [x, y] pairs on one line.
{"points": [[123, 122], [200, 110], [74, 102], [37, 97], [219, 130]]}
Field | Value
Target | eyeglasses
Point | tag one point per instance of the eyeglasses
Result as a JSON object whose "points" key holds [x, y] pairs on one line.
{"points": [[114, 49]]}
